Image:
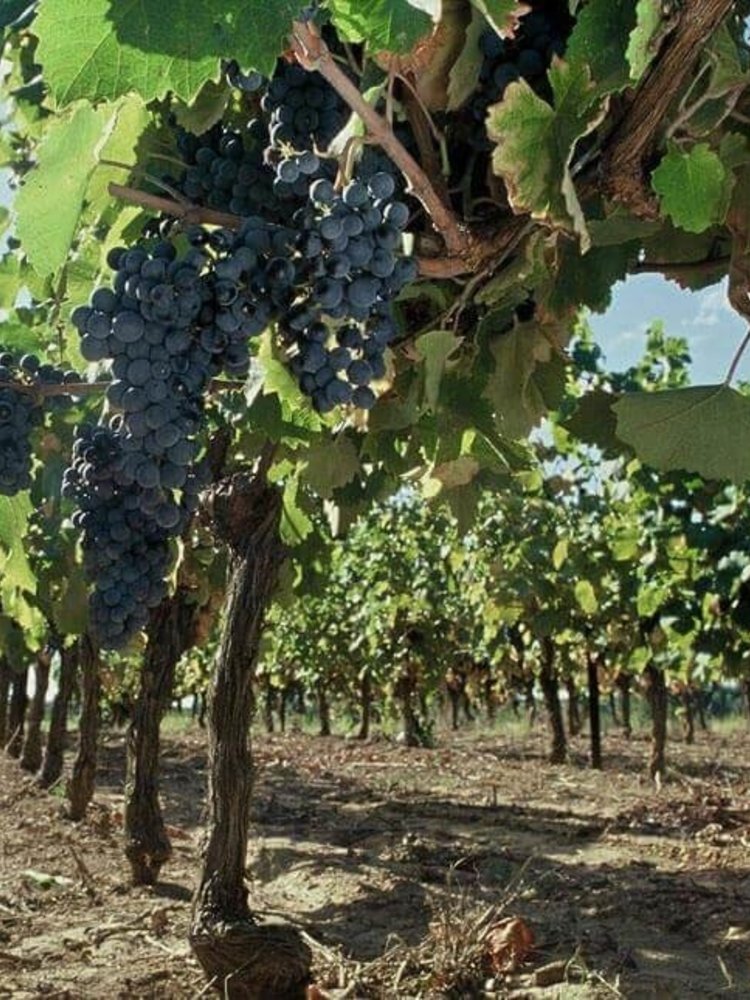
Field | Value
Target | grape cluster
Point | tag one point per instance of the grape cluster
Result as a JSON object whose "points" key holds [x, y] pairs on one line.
{"points": [[21, 411], [527, 56], [322, 262], [303, 109], [163, 325], [249, 83], [342, 321], [125, 551], [304, 113], [225, 169], [328, 280]]}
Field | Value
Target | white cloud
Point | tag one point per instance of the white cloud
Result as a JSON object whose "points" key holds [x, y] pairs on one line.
{"points": [[713, 308]]}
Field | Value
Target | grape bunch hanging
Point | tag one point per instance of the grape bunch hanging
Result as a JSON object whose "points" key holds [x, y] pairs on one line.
{"points": [[316, 257], [22, 410]]}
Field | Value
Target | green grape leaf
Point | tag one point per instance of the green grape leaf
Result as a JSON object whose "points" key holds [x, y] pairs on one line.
{"points": [[16, 571], [51, 201], [693, 186], [71, 611], [130, 120], [587, 279], [728, 62], [518, 395], [688, 429], [10, 281], [621, 227], [503, 15], [535, 144], [391, 25], [625, 544], [295, 524], [206, 109], [100, 50], [464, 75], [10, 10], [435, 349], [560, 553], [599, 39], [593, 421], [448, 475], [278, 380], [586, 597], [330, 465], [641, 47]]}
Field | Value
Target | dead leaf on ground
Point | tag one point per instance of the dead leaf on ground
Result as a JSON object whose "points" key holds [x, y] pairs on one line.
{"points": [[509, 942]]}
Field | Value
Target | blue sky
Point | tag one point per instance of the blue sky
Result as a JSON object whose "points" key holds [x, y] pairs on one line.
{"points": [[711, 327]]}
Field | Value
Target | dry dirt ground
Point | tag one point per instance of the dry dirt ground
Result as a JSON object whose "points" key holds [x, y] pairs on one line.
{"points": [[375, 850]]}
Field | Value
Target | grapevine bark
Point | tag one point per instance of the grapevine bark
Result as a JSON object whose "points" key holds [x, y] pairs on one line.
{"points": [[170, 633], [595, 723], [550, 689], [623, 682], [241, 958], [19, 703], [31, 756], [5, 677], [574, 714], [635, 136], [80, 788], [657, 696], [52, 764]]}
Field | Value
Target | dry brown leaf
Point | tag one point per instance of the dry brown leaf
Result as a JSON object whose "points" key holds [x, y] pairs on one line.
{"points": [[509, 942]]}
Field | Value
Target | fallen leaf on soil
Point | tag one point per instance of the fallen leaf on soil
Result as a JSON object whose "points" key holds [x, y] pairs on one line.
{"points": [[177, 833], [509, 942], [44, 880]]}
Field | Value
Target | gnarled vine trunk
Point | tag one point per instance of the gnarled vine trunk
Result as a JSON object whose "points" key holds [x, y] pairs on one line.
{"points": [[19, 703], [52, 763], [170, 632], [5, 678], [31, 755], [82, 781], [700, 708], [613, 706], [324, 709], [530, 700], [595, 720], [689, 715], [550, 690], [405, 692], [657, 697], [624, 683], [365, 704], [574, 711], [269, 697], [244, 961], [490, 698]]}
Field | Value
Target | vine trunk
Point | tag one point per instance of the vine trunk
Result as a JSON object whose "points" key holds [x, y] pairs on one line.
{"points": [[242, 959]]}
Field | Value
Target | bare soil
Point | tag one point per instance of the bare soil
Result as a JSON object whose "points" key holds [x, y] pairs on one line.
{"points": [[377, 850]]}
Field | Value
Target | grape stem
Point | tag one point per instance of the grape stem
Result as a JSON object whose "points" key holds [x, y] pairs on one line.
{"points": [[429, 267], [313, 54], [91, 388], [737, 358], [634, 137], [186, 212]]}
